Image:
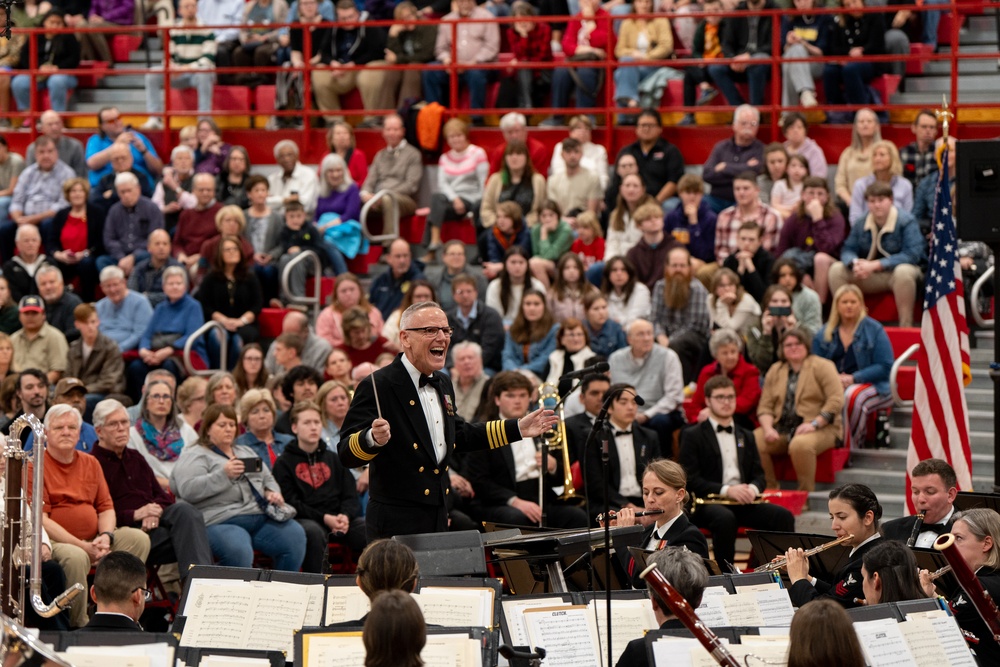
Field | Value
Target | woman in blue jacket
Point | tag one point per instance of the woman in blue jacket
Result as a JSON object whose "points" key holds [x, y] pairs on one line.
{"points": [[860, 348], [532, 336]]}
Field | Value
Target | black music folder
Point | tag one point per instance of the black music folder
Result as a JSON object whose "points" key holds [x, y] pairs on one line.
{"points": [[824, 565], [63, 640], [448, 554], [967, 500], [933, 560], [894, 610], [192, 656], [641, 555]]}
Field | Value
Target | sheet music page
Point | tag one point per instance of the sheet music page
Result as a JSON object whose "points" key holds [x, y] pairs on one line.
{"points": [[218, 614], [712, 612], [753, 588], [333, 650], [455, 607], [103, 658], [883, 643], [154, 655], [947, 636], [278, 611], [345, 603], [568, 634], [775, 606], [923, 643], [757, 655], [675, 651], [233, 661], [742, 609], [513, 611], [314, 605], [451, 651], [630, 619]]}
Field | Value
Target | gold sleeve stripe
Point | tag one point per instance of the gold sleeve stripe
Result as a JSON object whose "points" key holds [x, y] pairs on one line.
{"points": [[495, 433], [354, 443]]}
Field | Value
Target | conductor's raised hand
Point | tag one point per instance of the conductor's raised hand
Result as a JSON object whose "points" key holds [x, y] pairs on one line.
{"points": [[537, 423], [380, 432]]}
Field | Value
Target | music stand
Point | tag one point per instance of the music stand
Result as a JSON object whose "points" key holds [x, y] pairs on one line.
{"points": [[824, 565], [933, 560], [455, 554], [967, 500]]}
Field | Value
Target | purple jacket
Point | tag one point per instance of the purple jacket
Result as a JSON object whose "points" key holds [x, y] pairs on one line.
{"points": [[121, 12], [827, 235], [346, 204]]}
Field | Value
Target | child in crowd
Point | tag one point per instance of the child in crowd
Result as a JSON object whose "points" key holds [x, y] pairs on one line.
{"points": [[565, 299], [508, 231], [692, 224], [786, 193], [606, 335], [751, 262], [589, 243], [775, 164], [550, 239], [188, 136], [297, 236]]}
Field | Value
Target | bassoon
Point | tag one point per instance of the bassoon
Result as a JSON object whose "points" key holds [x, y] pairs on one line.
{"points": [[978, 596]]}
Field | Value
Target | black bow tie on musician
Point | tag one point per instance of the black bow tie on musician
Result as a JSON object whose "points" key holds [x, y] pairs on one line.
{"points": [[724, 429]]}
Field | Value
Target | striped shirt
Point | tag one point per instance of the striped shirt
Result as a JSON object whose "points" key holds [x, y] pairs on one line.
{"points": [[193, 47]]}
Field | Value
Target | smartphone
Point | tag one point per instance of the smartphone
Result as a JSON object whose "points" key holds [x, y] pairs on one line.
{"points": [[780, 311], [252, 464]]}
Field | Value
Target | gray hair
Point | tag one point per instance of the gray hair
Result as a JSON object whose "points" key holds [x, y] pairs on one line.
{"points": [[410, 313], [202, 176], [331, 161], [60, 409], [126, 178], [108, 272], [286, 143], [48, 268], [25, 229], [724, 337], [628, 327], [105, 409], [467, 345], [181, 148], [684, 569], [512, 120], [175, 271], [746, 108]]}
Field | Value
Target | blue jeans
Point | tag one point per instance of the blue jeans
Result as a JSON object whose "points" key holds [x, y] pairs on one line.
{"points": [[854, 77], [233, 541], [756, 75], [436, 87], [627, 80], [595, 274], [203, 81], [931, 22], [58, 85], [337, 260], [4, 206], [563, 86]]}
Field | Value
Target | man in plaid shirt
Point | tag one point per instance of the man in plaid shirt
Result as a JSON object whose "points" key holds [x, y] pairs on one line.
{"points": [[680, 312], [918, 156], [748, 208]]}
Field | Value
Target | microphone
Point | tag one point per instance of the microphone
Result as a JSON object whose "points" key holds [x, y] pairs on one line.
{"points": [[600, 367]]}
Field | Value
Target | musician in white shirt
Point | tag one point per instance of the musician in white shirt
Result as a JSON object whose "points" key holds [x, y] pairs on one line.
{"points": [[934, 486]]}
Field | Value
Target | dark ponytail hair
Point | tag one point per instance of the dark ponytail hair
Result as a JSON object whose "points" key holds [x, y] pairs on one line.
{"points": [[896, 567], [861, 498]]}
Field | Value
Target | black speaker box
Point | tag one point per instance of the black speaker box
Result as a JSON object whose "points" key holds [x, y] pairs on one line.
{"points": [[977, 192]]}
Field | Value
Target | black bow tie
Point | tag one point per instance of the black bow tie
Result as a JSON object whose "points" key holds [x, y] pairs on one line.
{"points": [[618, 433], [432, 380], [938, 528], [720, 429]]}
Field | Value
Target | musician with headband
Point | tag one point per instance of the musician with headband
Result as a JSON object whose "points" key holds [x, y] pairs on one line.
{"points": [[933, 486], [854, 510], [403, 425], [721, 459]]}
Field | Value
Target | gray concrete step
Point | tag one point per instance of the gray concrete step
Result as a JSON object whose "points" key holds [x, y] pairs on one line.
{"points": [[893, 506], [943, 68], [981, 442], [967, 83], [979, 419], [121, 97]]}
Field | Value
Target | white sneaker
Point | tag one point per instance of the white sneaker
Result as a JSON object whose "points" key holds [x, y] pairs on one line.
{"points": [[152, 123], [808, 98]]}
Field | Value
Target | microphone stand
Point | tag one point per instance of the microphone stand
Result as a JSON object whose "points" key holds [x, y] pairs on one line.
{"points": [[601, 429]]}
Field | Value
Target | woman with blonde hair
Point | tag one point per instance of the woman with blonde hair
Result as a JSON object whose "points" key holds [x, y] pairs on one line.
{"points": [[258, 414], [229, 221], [347, 293], [887, 167], [220, 390], [75, 239], [461, 181], [623, 232], [333, 399], [191, 399], [856, 160]]}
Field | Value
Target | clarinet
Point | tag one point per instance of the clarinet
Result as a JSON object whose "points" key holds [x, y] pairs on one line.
{"points": [[683, 611], [916, 530], [978, 596]]}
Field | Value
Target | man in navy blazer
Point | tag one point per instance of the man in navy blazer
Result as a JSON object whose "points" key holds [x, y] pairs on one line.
{"points": [[119, 591], [720, 458]]}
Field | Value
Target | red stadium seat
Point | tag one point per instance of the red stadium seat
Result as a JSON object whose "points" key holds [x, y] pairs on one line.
{"points": [[917, 64], [270, 321], [412, 227], [828, 465], [326, 286], [123, 45], [882, 307], [359, 265], [463, 230], [906, 350]]}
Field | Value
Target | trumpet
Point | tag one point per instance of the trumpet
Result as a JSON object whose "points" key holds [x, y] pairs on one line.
{"points": [[548, 397], [716, 499], [613, 514], [779, 563]]}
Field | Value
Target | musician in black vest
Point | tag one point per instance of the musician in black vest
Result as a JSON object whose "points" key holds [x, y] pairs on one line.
{"points": [[506, 480], [630, 448], [720, 458], [933, 485], [578, 427], [687, 574], [119, 591], [407, 448]]}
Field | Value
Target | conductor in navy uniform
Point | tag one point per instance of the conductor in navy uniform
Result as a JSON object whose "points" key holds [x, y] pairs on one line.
{"points": [[408, 447]]}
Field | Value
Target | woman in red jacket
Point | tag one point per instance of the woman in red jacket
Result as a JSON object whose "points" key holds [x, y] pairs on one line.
{"points": [[726, 347]]}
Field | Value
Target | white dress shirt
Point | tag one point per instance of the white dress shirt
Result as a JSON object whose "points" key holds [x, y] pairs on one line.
{"points": [[628, 484], [430, 401], [730, 458], [927, 538]]}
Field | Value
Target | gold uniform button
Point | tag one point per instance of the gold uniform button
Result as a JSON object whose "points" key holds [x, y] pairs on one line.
{"points": [[412, 403], [446, 468], [436, 471], [421, 469], [447, 491], [427, 492], [414, 445]]}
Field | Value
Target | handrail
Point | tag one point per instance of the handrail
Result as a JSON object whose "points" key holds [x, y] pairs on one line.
{"points": [[314, 300], [223, 348], [386, 217], [977, 287], [896, 365]]}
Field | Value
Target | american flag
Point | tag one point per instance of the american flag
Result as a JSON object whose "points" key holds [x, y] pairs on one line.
{"points": [[940, 417]]}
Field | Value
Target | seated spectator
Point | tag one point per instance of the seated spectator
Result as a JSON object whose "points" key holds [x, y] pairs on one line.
{"points": [[692, 224], [347, 294], [293, 181], [229, 221], [899, 25], [249, 372], [258, 415], [925, 193], [147, 277], [231, 295], [340, 136], [532, 336], [623, 228], [11, 166], [813, 235], [316, 349], [777, 317], [173, 321], [213, 478], [38, 194], [128, 226], [54, 54], [124, 314], [259, 42], [569, 290], [197, 225], [649, 255], [224, 13], [9, 322], [806, 304], [76, 237], [655, 372], [174, 191], [516, 181], [805, 424], [468, 376], [119, 593], [550, 239], [210, 151], [94, 358], [338, 367], [797, 142], [605, 334], [736, 221], [420, 291], [20, 269], [659, 162], [775, 169], [853, 35], [750, 262], [514, 128], [729, 304], [860, 349], [461, 180], [477, 43], [298, 236], [299, 384], [530, 42], [575, 188], [803, 36], [706, 44], [883, 252], [473, 321], [59, 303], [159, 432], [745, 39], [571, 354], [454, 263], [726, 348], [72, 392], [505, 292], [919, 157], [38, 344], [680, 312], [786, 192], [397, 168], [644, 40], [360, 342], [70, 150], [104, 195], [628, 297], [386, 292], [339, 195], [326, 499], [588, 37], [734, 156], [232, 179], [406, 44], [175, 528], [333, 398], [888, 170], [80, 520], [221, 390], [191, 400], [263, 228], [111, 130], [192, 59]]}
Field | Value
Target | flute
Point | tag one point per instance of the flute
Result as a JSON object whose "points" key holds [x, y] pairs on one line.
{"points": [[916, 530], [940, 572], [613, 514], [779, 563]]}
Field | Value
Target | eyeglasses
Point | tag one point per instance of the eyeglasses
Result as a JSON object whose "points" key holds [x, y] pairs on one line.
{"points": [[146, 593], [432, 332], [121, 423], [160, 397], [728, 398], [792, 344], [112, 120]]}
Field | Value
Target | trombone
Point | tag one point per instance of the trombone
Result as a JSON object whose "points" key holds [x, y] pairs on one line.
{"points": [[717, 499]]}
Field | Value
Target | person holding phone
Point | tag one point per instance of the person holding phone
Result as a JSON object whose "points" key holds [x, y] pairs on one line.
{"points": [[762, 335]]}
